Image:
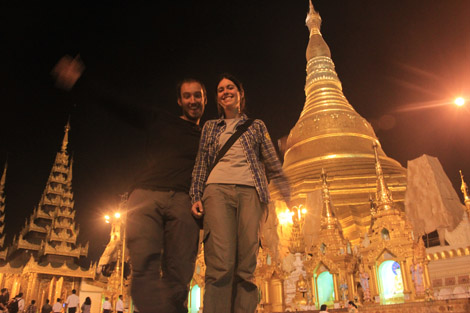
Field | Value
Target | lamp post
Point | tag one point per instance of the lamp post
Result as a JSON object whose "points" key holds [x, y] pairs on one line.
{"points": [[118, 233]]}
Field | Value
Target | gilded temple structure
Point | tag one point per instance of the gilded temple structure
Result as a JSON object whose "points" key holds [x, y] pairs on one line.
{"points": [[345, 243], [3, 249], [42, 261]]}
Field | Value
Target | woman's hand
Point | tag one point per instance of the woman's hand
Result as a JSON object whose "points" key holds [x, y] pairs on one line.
{"points": [[197, 209]]}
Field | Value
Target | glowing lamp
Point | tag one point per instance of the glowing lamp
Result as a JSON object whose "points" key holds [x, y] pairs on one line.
{"points": [[459, 101]]}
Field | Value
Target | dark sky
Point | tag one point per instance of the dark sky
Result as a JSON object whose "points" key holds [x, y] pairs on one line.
{"points": [[390, 56]]}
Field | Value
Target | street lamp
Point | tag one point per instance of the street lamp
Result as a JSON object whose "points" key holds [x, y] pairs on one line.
{"points": [[459, 101], [118, 238]]}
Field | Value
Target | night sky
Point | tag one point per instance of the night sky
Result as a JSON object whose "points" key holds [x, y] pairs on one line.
{"points": [[401, 64]]}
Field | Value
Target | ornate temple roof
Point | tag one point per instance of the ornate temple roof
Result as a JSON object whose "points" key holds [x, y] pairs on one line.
{"points": [[50, 233]]}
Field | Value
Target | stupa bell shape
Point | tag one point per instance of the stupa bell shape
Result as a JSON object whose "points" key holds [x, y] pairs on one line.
{"points": [[330, 134]]}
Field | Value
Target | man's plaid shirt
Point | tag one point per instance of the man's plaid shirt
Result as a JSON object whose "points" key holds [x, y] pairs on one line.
{"points": [[259, 151]]}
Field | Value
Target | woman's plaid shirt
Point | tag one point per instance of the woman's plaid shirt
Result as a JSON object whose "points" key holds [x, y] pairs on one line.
{"points": [[259, 151]]}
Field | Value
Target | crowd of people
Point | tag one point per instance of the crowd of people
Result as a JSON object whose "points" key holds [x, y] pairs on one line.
{"points": [[71, 304]]}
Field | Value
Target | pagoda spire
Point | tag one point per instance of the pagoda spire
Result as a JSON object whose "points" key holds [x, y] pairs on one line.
{"points": [[317, 46], [464, 189], [329, 220], [3, 251], [383, 195], [65, 141]]}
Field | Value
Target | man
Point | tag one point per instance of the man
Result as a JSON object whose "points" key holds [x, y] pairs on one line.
{"points": [[4, 297], [57, 307], [119, 305], [323, 308], [162, 234], [20, 300], [46, 308], [107, 306], [72, 302]]}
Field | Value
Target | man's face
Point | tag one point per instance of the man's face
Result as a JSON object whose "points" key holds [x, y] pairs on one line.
{"points": [[193, 101]]}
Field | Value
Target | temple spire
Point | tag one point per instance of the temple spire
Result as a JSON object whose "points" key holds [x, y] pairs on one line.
{"points": [[329, 220], [464, 189], [65, 142], [383, 195]]}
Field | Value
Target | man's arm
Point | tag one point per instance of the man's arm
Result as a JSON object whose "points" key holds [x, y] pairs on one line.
{"points": [[68, 74]]}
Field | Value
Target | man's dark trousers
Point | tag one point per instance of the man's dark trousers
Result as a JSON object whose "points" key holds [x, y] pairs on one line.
{"points": [[163, 237]]}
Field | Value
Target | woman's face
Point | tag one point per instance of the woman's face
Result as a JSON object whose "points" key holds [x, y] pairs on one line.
{"points": [[228, 96]]}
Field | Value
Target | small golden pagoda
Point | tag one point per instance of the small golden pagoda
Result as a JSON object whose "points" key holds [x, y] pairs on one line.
{"points": [[331, 135], [331, 258], [42, 261], [393, 265], [3, 249]]}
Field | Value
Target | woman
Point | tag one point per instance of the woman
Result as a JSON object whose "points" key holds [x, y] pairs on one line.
{"points": [[352, 307], [233, 197], [86, 306]]}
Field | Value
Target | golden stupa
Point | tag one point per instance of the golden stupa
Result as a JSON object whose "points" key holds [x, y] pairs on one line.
{"points": [[331, 135]]}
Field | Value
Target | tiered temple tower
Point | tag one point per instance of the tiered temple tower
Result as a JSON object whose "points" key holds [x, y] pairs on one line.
{"points": [[51, 231], [42, 261], [332, 258], [3, 249], [331, 135]]}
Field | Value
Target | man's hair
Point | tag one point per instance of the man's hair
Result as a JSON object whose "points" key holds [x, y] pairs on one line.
{"points": [[58, 299], [323, 307], [20, 294], [74, 291], [47, 301], [33, 301], [189, 80], [3, 290]]}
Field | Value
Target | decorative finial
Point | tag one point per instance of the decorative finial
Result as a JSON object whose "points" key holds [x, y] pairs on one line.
{"points": [[313, 21], [464, 188], [66, 136], [384, 196], [329, 220]]}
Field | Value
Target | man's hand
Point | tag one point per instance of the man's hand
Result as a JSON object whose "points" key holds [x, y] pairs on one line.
{"points": [[197, 209], [67, 71]]}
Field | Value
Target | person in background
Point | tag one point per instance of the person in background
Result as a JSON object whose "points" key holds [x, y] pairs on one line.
{"points": [[20, 300], [46, 308], [119, 305], [72, 302], [86, 306], [107, 308], [57, 307], [4, 297], [323, 308], [352, 307], [32, 308], [233, 196]]}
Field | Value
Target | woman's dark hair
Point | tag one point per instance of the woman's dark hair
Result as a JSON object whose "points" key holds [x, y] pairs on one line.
{"points": [[239, 85], [352, 303], [88, 301]]}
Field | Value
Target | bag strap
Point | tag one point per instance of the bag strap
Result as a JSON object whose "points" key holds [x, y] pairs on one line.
{"points": [[240, 130]]}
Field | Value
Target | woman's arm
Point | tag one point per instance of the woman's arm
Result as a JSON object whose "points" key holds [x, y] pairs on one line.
{"points": [[272, 164], [201, 166]]}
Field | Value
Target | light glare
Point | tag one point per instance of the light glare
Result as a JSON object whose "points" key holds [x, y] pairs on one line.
{"points": [[459, 101]]}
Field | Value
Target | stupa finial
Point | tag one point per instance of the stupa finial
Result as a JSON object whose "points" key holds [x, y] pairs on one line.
{"points": [[384, 196], [65, 142]]}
